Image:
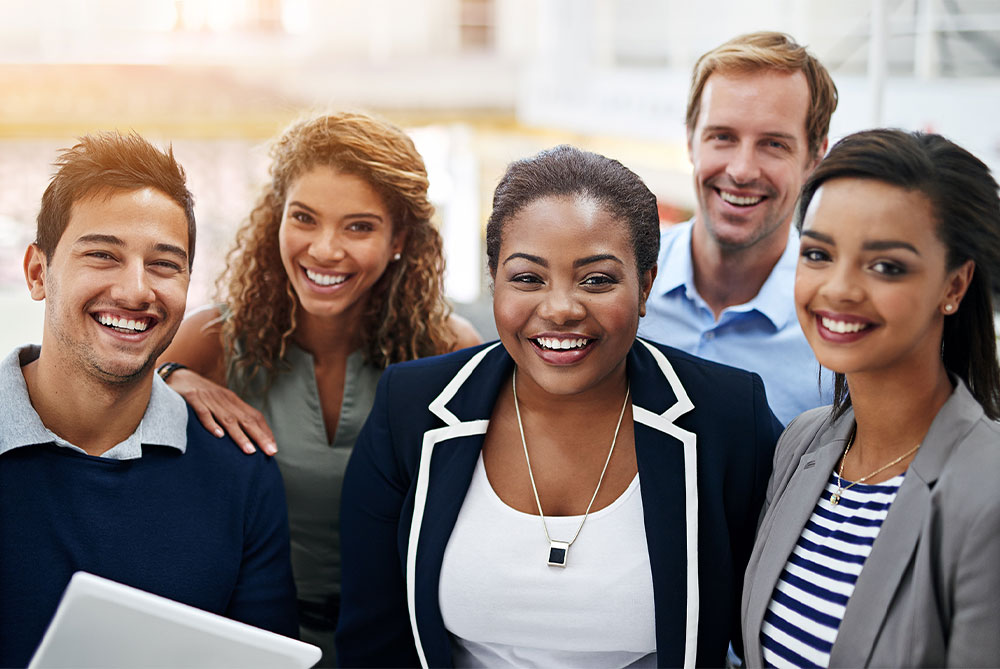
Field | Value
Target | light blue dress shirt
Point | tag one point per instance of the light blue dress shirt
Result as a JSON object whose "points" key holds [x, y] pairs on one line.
{"points": [[762, 335]]}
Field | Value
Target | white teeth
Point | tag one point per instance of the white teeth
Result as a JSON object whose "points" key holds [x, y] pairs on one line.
{"points": [[326, 279], [123, 323], [741, 201], [842, 327], [561, 344]]}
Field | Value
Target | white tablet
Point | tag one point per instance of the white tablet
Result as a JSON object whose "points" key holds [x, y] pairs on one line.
{"points": [[100, 623]]}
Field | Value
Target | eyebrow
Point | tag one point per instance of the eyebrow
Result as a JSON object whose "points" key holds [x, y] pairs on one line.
{"points": [[874, 245], [597, 258], [581, 262], [728, 128], [96, 238], [527, 256], [312, 211]]}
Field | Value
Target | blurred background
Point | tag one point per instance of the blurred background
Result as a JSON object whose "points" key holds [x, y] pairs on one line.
{"points": [[477, 83]]}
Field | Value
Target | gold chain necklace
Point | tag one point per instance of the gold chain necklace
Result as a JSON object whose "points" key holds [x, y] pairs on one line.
{"points": [[841, 489], [559, 550]]}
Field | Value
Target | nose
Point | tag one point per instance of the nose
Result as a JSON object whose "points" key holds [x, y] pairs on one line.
{"points": [[842, 285], [743, 167], [561, 306], [327, 245], [133, 288]]}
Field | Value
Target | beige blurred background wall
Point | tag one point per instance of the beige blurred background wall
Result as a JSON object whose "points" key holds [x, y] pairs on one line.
{"points": [[477, 82]]}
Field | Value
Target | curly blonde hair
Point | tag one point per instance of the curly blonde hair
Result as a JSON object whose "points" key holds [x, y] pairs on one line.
{"points": [[406, 315]]}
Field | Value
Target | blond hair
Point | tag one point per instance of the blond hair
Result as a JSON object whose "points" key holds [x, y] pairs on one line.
{"points": [[406, 315], [769, 51]]}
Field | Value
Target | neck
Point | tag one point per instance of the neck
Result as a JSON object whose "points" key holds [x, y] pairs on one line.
{"points": [[893, 413], [328, 338], [576, 409], [727, 277], [85, 411]]}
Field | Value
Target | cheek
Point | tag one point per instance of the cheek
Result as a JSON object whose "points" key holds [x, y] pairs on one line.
{"points": [[510, 312]]}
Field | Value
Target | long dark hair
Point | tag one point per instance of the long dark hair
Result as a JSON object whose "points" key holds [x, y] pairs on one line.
{"points": [[963, 194]]}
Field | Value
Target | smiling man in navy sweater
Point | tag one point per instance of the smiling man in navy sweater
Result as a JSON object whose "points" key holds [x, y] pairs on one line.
{"points": [[102, 467]]}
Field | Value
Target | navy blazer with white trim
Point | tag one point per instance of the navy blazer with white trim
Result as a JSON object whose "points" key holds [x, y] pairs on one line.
{"points": [[704, 438]]}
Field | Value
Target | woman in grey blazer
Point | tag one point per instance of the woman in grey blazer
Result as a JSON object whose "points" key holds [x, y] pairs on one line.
{"points": [[879, 543]]}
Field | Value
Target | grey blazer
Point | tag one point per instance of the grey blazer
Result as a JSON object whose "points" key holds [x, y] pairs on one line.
{"points": [[929, 593]]}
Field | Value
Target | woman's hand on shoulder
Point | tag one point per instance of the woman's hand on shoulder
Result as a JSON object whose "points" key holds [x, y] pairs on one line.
{"points": [[198, 346], [465, 334], [222, 411]]}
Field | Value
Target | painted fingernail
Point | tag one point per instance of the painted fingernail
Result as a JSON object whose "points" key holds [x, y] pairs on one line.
{"points": [[248, 448], [270, 448], [219, 433]]}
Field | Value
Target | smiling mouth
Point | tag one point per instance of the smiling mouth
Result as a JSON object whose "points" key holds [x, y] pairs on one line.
{"points": [[739, 200], [843, 327], [124, 325], [325, 279], [555, 344]]}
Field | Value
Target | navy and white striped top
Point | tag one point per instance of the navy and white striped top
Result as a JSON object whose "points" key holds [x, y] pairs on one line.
{"points": [[809, 599]]}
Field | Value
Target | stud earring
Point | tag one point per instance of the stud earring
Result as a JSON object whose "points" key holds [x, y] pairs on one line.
{"points": [[397, 256], [948, 308]]}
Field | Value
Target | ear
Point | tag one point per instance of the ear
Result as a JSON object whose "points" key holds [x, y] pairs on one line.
{"points": [[815, 160], [956, 284], [35, 264], [645, 288], [690, 143], [399, 240]]}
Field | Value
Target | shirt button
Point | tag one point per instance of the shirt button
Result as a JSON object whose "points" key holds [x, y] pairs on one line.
{"points": [[709, 335]]}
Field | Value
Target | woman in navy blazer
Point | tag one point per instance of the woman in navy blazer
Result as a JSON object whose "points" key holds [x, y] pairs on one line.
{"points": [[880, 543], [572, 246]]}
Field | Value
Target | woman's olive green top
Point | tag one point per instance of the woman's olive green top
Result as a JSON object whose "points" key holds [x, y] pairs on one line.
{"points": [[312, 467]]}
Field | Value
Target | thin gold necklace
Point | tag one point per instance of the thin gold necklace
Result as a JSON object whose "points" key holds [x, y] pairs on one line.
{"points": [[559, 550], [841, 489]]}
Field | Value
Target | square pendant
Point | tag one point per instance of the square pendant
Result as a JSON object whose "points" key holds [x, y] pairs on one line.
{"points": [[558, 551]]}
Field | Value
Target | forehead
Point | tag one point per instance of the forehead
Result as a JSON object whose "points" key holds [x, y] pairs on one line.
{"points": [[870, 209], [323, 185], [566, 225], [144, 216], [767, 101]]}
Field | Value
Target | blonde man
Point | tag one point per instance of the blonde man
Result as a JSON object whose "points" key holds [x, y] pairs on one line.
{"points": [[757, 121]]}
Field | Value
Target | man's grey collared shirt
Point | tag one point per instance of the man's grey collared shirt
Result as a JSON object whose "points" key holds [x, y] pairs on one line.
{"points": [[163, 424]]}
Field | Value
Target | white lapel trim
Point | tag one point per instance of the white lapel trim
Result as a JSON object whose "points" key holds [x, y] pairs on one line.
{"points": [[665, 423], [437, 405], [453, 428]]}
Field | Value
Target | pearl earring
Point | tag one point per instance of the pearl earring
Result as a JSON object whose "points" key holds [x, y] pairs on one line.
{"points": [[397, 256], [948, 308]]}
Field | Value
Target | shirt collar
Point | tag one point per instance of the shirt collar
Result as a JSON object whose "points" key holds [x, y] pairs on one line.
{"points": [[774, 300], [163, 424]]}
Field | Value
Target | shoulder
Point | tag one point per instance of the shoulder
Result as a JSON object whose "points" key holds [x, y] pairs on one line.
{"points": [[698, 374], [676, 231], [465, 334], [436, 366], [221, 456], [968, 477], [413, 384], [809, 423]]}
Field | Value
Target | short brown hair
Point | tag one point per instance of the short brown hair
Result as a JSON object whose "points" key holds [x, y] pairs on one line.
{"points": [[109, 161], [769, 51]]}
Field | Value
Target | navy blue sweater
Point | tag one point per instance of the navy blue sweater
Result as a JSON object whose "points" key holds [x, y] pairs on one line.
{"points": [[207, 528]]}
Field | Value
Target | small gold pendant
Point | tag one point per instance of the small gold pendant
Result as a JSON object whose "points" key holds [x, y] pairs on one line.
{"points": [[835, 499]]}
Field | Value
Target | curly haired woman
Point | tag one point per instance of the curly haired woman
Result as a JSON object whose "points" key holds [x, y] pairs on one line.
{"points": [[336, 274]]}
